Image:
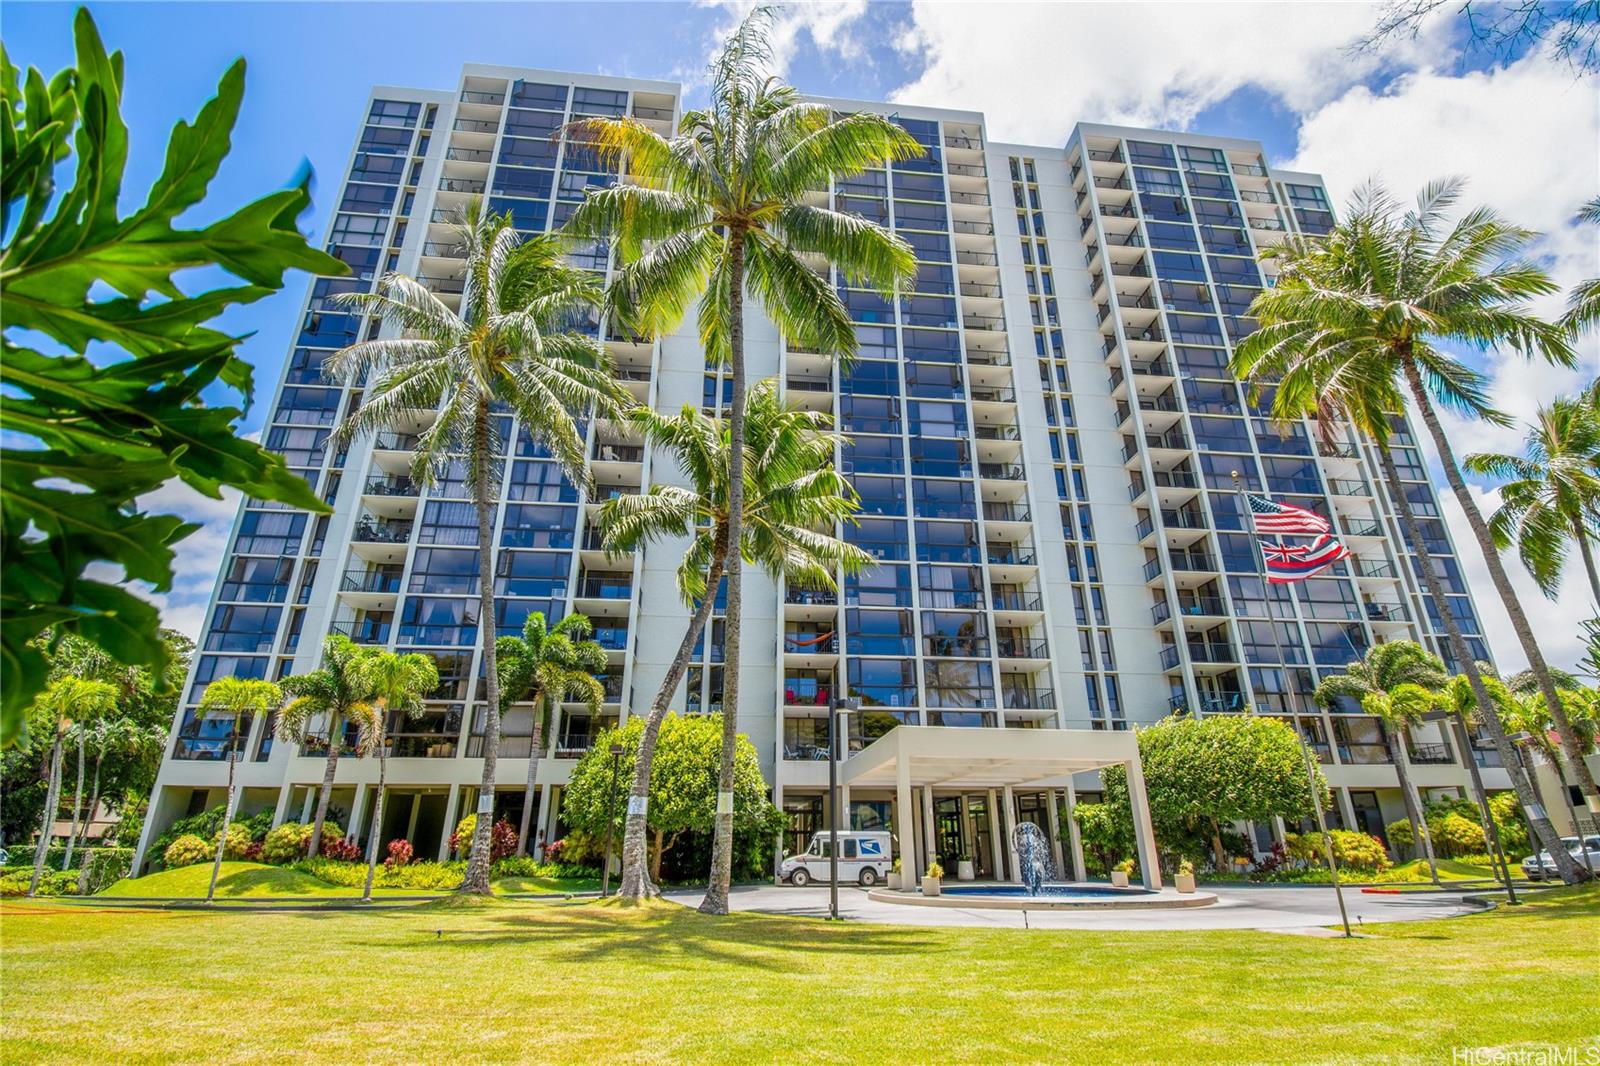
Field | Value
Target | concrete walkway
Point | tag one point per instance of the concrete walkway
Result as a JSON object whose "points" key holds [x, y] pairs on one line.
{"points": [[1282, 908]]}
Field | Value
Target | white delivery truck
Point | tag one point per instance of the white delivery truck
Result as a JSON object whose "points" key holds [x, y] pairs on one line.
{"points": [[864, 857]]}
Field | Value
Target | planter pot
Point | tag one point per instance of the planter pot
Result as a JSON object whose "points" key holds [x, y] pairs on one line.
{"points": [[1119, 879], [964, 870], [1183, 882], [930, 886], [892, 880]]}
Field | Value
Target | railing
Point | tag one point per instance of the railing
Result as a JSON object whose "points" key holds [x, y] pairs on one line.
{"points": [[1252, 169], [801, 643], [443, 284], [392, 486], [808, 385], [968, 170], [1006, 512], [1362, 528], [362, 632], [469, 96], [371, 530], [476, 125], [1386, 612], [1218, 651], [1001, 472], [1020, 648], [1340, 486], [811, 597], [977, 258], [973, 288], [469, 155], [980, 229], [1119, 211], [1017, 601], [611, 638], [1027, 699], [1192, 561], [1105, 155], [444, 250], [1368, 568], [988, 322], [1364, 753], [390, 441], [1267, 224], [574, 745], [603, 589], [1431, 754], [369, 581], [997, 433], [976, 199], [1255, 196], [652, 114], [1011, 556], [469, 185], [618, 453], [952, 140]]}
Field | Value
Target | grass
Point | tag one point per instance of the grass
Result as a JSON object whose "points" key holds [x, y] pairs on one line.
{"points": [[241, 880], [1449, 870], [504, 980]]}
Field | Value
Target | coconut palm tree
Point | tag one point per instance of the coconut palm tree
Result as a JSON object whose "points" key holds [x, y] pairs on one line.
{"points": [[1583, 303], [792, 492], [722, 207], [1550, 498], [548, 665], [510, 346], [398, 684], [241, 700], [1350, 328], [114, 736], [1395, 683], [335, 694], [67, 700]]}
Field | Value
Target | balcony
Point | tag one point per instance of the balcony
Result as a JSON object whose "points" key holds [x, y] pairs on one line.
{"points": [[1007, 512], [599, 587], [379, 582], [1016, 600], [1338, 486], [469, 155], [389, 441], [1011, 555], [811, 597], [471, 186], [1431, 754], [475, 125], [370, 530], [1027, 699], [443, 285], [1386, 612], [1364, 754], [393, 485], [810, 642], [1002, 472], [617, 453], [468, 96]]}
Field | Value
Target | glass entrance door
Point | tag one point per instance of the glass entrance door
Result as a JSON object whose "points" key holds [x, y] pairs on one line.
{"points": [[947, 832]]}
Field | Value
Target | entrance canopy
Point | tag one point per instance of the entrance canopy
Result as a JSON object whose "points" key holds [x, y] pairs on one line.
{"points": [[962, 760], [952, 757]]}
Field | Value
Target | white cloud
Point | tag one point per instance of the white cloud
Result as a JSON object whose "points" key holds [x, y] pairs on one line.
{"points": [[828, 23], [198, 556], [1036, 69]]}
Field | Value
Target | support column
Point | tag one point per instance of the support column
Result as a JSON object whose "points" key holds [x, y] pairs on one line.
{"points": [[997, 845], [1053, 820], [1144, 832], [930, 837], [541, 821], [305, 804], [1279, 831], [411, 819], [1074, 841], [845, 821], [777, 845], [966, 826], [449, 822], [285, 790], [905, 822], [1008, 824], [1346, 809], [357, 814]]}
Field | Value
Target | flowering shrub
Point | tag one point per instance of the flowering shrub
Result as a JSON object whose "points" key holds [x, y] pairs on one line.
{"points": [[237, 843], [341, 850], [186, 851], [502, 838], [399, 853], [1358, 851], [290, 840], [552, 850], [1455, 836]]}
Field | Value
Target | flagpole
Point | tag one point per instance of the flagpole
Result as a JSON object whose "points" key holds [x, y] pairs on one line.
{"points": [[1247, 517]]}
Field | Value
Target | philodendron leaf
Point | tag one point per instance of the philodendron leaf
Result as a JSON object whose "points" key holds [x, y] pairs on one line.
{"points": [[86, 438]]}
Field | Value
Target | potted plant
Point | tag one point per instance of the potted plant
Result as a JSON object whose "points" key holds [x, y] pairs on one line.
{"points": [[931, 879], [894, 878], [1120, 873], [1184, 878], [964, 868]]}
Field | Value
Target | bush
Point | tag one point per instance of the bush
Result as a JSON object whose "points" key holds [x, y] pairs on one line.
{"points": [[418, 876], [206, 825], [237, 845], [1400, 837], [290, 840], [186, 851], [502, 838], [341, 850], [1356, 851], [527, 866], [399, 853], [1455, 836], [52, 883]]}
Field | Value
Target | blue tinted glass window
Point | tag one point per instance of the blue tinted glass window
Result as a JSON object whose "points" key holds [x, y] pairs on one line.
{"points": [[1152, 154], [1169, 235], [538, 94]]}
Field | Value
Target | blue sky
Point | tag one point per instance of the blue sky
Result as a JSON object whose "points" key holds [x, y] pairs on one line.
{"points": [[1524, 128]]}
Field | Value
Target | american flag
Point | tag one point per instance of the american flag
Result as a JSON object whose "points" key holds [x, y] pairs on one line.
{"points": [[1287, 563], [1280, 518]]}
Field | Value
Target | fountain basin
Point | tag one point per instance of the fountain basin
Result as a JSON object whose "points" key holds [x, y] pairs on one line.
{"points": [[1055, 896]]}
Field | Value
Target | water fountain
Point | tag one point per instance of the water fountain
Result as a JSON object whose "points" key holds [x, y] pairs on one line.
{"points": [[1035, 868]]}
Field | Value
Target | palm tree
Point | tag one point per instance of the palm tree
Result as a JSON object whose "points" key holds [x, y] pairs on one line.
{"points": [[1551, 495], [337, 693], [239, 699], [792, 491], [1349, 328], [398, 684], [548, 666], [509, 346], [1583, 303], [722, 206], [108, 736], [1395, 683], [66, 701]]}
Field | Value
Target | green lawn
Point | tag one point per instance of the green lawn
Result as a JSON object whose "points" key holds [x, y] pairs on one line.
{"points": [[249, 880], [585, 982]]}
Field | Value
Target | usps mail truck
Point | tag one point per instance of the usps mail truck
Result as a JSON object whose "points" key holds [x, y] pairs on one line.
{"points": [[864, 857]]}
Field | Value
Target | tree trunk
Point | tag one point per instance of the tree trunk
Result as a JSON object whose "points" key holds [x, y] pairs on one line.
{"points": [[1584, 550], [655, 859], [1497, 573], [477, 879], [535, 750], [1489, 720], [94, 802], [52, 797], [375, 834], [77, 805], [636, 882], [325, 793], [716, 899], [227, 818], [1219, 855], [1395, 738]]}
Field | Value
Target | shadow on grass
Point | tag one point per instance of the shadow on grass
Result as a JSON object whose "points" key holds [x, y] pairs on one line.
{"points": [[585, 932]]}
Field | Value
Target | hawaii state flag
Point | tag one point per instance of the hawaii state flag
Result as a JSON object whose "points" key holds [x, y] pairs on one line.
{"points": [[1287, 563]]}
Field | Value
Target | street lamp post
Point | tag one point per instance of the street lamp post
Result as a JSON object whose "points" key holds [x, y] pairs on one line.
{"points": [[1519, 742], [837, 710], [1464, 742], [611, 819]]}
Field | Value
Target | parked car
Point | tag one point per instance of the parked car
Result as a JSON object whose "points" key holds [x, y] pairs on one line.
{"points": [[863, 857], [1542, 867]]}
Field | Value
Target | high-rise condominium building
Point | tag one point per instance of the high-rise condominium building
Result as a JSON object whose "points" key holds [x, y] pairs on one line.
{"points": [[1042, 430]]}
